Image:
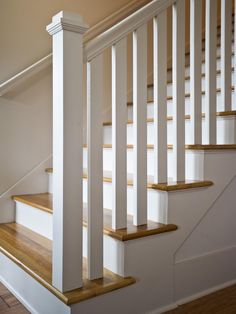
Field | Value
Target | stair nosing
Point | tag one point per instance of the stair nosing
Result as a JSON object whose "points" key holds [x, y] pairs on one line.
{"points": [[187, 95], [168, 187], [187, 147], [187, 78], [227, 113]]}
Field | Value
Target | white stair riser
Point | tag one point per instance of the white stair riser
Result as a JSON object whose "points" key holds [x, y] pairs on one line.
{"points": [[35, 219], [157, 201], [157, 204], [187, 106], [187, 82], [107, 163], [225, 131], [187, 86], [218, 66], [41, 222]]}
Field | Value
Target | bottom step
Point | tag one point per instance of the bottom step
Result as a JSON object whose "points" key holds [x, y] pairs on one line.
{"points": [[33, 253]]}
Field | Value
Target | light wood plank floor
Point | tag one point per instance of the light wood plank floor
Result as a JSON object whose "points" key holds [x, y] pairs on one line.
{"points": [[220, 302], [9, 304]]}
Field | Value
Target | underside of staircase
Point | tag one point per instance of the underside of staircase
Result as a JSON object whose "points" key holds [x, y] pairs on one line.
{"points": [[148, 257]]}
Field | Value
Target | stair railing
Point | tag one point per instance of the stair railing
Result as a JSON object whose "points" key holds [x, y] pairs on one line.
{"points": [[69, 57]]}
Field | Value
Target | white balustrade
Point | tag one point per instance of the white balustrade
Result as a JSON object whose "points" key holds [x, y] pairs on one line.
{"points": [[68, 58]]}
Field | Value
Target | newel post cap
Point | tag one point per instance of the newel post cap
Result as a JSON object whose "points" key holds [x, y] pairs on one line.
{"points": [[72, 22]]}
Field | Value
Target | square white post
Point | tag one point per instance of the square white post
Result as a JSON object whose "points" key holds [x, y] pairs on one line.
{"points": [[178, 78], [67, 30], [210, 69]]}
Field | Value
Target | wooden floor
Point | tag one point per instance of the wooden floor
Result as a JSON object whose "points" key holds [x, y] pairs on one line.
{"points": [[220, 302], [9, 304]]}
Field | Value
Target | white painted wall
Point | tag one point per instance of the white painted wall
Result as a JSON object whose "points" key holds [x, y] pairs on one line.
{"points": [[207, 258], [215, 231]]}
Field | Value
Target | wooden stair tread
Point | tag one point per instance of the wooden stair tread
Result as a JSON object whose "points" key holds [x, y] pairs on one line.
{"points": [[187, 53], [218, 72], [33, 253], [187, 117], [42, 201], [187, 95], [170, 146], [168, 187], [129, 233]]}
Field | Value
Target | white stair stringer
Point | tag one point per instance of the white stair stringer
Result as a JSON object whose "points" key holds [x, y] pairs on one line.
{"points": [[156, 274]]}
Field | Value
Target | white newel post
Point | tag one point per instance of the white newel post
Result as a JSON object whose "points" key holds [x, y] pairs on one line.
{"points": [[67, 30]]}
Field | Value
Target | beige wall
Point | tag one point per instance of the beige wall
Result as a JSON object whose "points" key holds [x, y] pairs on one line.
{"points": [[23, 38]]}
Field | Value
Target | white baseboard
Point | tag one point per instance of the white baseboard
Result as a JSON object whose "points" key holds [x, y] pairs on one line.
{"points": [[164, 309], [198, 276], [206, 292], [18, 296], [36, 298], [193, 297]]}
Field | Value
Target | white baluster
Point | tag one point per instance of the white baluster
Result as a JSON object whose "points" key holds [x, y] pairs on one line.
{"points": [[140, 124], [226, 53], [235, 51], [95, 167], [119, 140], [210, 68], [195, 70], [160, 96], [67, 150], [178, 76]]}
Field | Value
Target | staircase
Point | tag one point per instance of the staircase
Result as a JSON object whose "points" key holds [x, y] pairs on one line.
{"points": [[121, 211]]}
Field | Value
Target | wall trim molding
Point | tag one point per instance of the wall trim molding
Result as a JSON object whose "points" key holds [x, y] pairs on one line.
{"points": [[215, 252], [206, 292], [18, 296], [94, 31], [25, 74]]}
